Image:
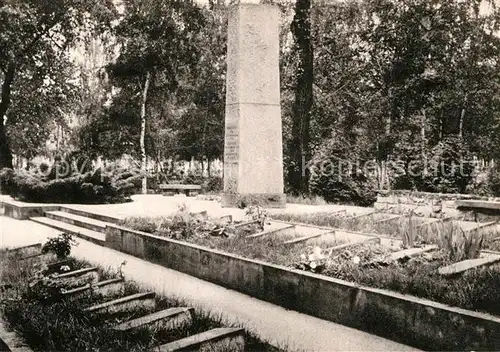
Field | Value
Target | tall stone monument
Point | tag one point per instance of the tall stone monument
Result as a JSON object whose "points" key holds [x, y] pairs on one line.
{"points": [[253, 152]]}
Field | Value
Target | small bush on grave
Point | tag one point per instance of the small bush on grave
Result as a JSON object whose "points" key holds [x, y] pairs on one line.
{"points": [[44, 167], [60, 245]]}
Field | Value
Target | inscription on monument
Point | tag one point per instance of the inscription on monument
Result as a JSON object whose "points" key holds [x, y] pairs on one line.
{"points": [[231, 144]]}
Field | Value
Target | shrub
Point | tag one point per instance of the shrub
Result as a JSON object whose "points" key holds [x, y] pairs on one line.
{"points": [[193, 178], [213, 184], [493, 181], [97, 186], [335, 174], [60, 245], [447, 168], [487, 183], [6, 180]]}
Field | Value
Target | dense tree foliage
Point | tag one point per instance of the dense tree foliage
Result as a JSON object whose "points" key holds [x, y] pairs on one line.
{"points": [[399, 84], [406, 81], [35, 66]]}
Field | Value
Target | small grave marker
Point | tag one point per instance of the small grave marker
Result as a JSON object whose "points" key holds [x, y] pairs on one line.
{"points": [[460, 267]]}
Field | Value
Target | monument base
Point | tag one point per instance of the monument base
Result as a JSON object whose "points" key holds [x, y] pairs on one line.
{"points": [[265, 200]]}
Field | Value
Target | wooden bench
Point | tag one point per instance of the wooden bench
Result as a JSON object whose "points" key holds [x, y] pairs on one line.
{"points": [[178, 188]]}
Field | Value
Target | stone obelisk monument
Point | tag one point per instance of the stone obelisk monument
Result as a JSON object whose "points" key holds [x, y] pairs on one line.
{"points": [[253, 152]]}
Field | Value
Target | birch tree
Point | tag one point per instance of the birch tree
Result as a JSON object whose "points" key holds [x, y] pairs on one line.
{"points": [[158, 47], [34, 40]]}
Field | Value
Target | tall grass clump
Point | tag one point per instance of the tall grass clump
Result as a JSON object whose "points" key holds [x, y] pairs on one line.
{"points": [[458, 244]]}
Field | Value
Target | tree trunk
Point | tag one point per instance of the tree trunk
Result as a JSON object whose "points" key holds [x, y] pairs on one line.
{"points": [[143, 134], [462, 118], [158, 163], [390, 111], [441, 127], [298, 175], [5, 152], [461, 123], [424, 141]]}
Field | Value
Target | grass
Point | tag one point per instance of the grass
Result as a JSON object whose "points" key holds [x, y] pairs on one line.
{"points": [[322, 219], [291, 199], [365, 224], [492, 245], [309, 200], [395, 228], [62, 324], [476, 289], [266, 248]]}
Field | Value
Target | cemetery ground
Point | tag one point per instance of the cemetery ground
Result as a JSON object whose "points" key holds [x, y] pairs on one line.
{"points": [[289, 329], [448, 263], [66, 304]]}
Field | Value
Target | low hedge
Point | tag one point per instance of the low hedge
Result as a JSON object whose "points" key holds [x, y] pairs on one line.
{"points": [[92, 187]]}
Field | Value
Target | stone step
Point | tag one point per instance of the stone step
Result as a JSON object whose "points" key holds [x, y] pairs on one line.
{"points": [[86, 234], [219, 339], [78, 277], [138, 300], [167, 319], [478, 204], [88, 214], [77, 220], [106, 288], [275, 229], [26, 251], [460, 267]]}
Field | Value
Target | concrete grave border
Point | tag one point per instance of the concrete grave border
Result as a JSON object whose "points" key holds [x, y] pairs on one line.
{"points": [[24, 211], [403, 318], [407, 319]]}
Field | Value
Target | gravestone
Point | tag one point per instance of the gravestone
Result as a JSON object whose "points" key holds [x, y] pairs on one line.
{"points": [[253, 152]]}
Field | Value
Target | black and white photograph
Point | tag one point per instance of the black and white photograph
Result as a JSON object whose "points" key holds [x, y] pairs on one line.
{"points": [[249, 175]]}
